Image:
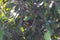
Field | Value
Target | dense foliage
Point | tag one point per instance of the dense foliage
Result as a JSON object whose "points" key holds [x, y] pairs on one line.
{"points": [[29, 19]]}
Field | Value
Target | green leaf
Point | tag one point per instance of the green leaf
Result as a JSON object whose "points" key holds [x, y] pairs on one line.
{"points": [[1, 34], [27, 18], [47, 36], [59, 10], [49, 31]]}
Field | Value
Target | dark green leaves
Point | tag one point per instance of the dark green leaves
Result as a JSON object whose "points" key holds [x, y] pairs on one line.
{"points": [[10, 5]]}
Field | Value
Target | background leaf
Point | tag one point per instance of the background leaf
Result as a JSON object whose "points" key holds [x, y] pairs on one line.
{"points": [[1, 34]]}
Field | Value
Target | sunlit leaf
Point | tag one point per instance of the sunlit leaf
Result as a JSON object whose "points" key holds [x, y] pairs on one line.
{"points": [[2, 15], [24, 37], [11, 20], [22, 29], [55, 36], [8, 9], [45, 4], [4, 5], [1, 1]]}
